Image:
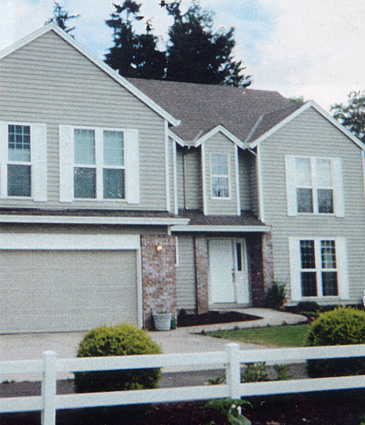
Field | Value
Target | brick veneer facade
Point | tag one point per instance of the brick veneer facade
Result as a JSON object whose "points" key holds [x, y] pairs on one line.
{"points": [[158, 276], [268, 259], [201, 274]]}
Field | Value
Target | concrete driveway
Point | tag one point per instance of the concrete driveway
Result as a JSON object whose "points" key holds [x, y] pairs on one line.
{"points": [[181, 340]]}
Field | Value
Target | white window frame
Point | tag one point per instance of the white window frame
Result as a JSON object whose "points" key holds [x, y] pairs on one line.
{"points": [[336, 187], [296, 269], [227, 176], [99, 163]]}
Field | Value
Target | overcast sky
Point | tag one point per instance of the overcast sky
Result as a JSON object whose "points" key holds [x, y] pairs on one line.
{"points": [[310, 48]]}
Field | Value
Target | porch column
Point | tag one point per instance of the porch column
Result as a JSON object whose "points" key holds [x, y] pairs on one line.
{"points": [[201, 274], [158, 257]]}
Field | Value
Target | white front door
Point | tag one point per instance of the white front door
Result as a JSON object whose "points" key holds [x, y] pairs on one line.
{"points": [[228, 281]]}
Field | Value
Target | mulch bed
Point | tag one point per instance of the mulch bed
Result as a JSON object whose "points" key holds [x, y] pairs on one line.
{"points": [[213, 317], [338, 408]]}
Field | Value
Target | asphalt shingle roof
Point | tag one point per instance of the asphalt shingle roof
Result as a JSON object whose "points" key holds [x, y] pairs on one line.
{"points": [[201, 107]]}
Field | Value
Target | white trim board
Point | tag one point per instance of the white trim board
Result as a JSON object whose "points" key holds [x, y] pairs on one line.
{"points": [[144, 221], [220, 228], [96, 61], [52, 241], [326, 115]]}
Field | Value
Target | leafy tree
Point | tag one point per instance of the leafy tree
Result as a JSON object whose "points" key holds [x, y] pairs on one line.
{"points": [[61, 18], [197, 52], [133, 55], [299, 101], [352, 114]]}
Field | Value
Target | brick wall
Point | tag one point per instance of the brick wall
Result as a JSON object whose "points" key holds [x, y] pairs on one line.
{"points": [[201, 274], [268, 259], [158, 276]]}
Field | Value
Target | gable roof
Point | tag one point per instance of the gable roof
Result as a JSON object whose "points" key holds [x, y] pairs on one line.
{"points": [[268, 126], [203, 108], [96, 61]]}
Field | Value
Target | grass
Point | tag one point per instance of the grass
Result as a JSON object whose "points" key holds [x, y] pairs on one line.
{"points": [[277, 336]]}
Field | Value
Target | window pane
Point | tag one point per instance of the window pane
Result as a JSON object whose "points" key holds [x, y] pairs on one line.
{"points": [[324, 172], [19, 180], [85, 183], [309, 284], [220, 187], [307, 257], [329, 284], [84, 147], [325, 200], [303, 172], [219, 165], [328, 254], [113, 148], [304, 200], [113, 181], [19, 143]]}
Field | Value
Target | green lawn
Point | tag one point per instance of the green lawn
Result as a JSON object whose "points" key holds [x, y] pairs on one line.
{"points": [[278, 336]]}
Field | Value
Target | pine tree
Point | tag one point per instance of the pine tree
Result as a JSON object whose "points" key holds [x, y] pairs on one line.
{"points": [[61, 18]]}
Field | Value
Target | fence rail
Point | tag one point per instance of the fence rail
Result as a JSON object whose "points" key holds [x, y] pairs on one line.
{"points": [[232, 359]]}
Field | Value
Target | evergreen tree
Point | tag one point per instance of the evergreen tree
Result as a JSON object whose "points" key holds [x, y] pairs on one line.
{"points": [[133, 55], [197, 53], [61, 17], [352, 114]]}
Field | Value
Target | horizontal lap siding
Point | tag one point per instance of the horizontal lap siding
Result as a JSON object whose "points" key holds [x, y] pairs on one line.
{"points": [[193, 179], [49, 82], [220, 144], [310, 134], [185, 274], [244, 170]]}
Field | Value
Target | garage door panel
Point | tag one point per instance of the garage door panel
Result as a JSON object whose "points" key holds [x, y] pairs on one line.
{"points": [[66, 290]]}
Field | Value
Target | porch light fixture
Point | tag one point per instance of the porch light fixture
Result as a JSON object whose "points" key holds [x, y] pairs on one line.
{"points": [[158, 248]]}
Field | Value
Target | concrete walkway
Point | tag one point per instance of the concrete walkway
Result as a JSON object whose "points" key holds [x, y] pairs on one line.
{"points": [[181, 340]]}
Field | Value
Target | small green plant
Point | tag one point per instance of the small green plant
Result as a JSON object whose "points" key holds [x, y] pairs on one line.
{"points": [[275, 295], [231, 409], [216, 381], [255, 372], [342, 326], [282, 372], [120, 340]]}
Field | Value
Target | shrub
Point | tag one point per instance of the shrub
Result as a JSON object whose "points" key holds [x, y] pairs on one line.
{"points": [[120, 340], [341, 326], [255, 372], [308, 307], [275, 295]]}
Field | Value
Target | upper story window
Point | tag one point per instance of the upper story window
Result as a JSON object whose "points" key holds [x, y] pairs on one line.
{"points": [[99, 164], [19, 160], [219, 176], [314, 186], [23, 161], [318, 268]]}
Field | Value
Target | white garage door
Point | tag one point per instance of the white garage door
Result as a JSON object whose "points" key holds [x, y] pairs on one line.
{"points": [[43, 291]]}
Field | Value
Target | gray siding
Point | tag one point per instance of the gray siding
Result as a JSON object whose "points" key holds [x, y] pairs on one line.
{"points": [[185, 274], [220, 144], [192, 200], [47, 81], [254, 188], [244, 158], [310, 134]]}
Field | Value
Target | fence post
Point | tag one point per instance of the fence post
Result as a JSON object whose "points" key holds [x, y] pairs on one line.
{"points": [[233, 370], [49, 381]]}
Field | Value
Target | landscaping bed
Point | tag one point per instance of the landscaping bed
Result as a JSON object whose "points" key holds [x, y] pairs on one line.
{"points": [[339, 408], [213, 317]]}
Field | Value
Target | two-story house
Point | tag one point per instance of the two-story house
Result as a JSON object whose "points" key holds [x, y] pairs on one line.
{"points": [[120, 198]]}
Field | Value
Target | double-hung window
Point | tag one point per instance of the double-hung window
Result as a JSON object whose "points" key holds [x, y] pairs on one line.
{"points": [[314, 186], [318, 268], [219, 166], [99, 171], [19, 160], [100, 164], [23, 161]]}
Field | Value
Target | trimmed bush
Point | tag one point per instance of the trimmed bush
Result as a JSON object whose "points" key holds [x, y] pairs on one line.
{"points": [[120, 340], [275, 295], [341, 326]]}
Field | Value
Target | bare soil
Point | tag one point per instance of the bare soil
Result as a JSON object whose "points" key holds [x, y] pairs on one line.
{"points": [[213, 317]]}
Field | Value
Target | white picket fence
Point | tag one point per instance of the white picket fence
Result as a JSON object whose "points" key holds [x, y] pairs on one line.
{"points": [[232, 359]]}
